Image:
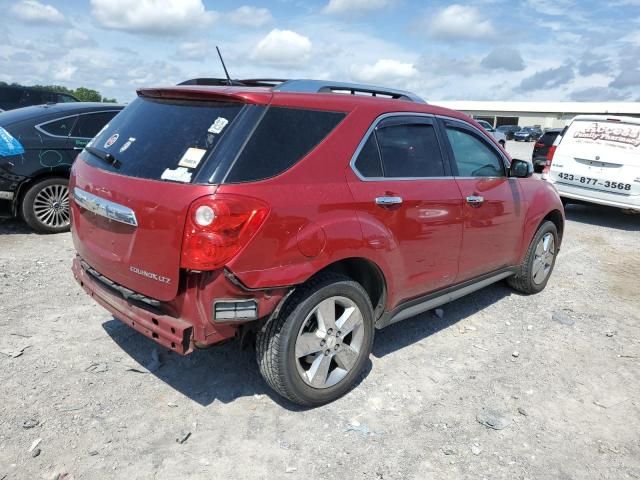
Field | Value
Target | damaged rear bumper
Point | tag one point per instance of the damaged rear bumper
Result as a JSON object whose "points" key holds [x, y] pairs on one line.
{"points": [[174, 333]]}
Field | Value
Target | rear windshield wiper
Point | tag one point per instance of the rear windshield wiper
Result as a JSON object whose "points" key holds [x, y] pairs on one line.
{"points": [[105, 157]]}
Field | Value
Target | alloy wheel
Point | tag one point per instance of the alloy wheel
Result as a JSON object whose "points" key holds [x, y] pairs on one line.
{"points": [[329, 342], [543, 258], [51, 206]]}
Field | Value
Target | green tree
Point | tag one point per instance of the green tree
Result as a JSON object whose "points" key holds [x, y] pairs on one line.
{"points": [[83, 94]]}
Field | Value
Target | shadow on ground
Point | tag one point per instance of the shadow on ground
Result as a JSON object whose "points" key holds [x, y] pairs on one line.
{"points": [[226, 372], [14, 226], [603, 217]]}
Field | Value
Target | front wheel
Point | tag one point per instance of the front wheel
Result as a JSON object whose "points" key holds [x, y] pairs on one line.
{"points": [[45, 206], [317, 348], [539, 262]]}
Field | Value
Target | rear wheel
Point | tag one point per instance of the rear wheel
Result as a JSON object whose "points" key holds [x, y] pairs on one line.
{"points": [[539, 262], [316, 349], [45, 206]]}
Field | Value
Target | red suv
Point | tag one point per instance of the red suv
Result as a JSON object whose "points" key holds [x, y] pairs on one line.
{"points": [[302, 215]]}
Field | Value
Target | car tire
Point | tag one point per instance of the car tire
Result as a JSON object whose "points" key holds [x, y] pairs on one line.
{"points": [[45, 206], [302, 356], [538, 264]]}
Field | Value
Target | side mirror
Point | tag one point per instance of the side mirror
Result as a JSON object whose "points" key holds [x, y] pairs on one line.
{"points": [[520, 168]]}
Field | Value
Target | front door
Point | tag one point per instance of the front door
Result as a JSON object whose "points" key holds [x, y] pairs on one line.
{"points": [[493, 215], [408, 204]]}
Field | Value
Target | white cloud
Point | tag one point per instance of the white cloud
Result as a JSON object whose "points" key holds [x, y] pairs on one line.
{"points": [[459, 22], [193, 50], [248, 16], [77, 39], [283, 47], [64, 73], [33, 11], [152, 16], [340, 7], [384, 70]]}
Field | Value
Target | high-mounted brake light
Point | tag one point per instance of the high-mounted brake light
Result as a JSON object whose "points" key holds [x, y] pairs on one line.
{"points": [[217, 228]]}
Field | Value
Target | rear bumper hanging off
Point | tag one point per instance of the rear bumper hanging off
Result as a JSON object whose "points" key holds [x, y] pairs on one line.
{"points": [[174, 333]]}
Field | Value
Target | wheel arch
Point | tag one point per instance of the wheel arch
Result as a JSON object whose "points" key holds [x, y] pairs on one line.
{"points": [[366, 273], [557, 218]]}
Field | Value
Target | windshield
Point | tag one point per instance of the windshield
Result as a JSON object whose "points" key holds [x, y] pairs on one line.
{"points": [[162, 139]]}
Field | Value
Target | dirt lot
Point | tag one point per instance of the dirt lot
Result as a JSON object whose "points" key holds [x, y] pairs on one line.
{"points": [[560, 371]]}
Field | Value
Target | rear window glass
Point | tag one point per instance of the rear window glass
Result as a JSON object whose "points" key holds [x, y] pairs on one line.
{"points": [[163, 139], [548, 138], [60, 128], [368, 161], [89, 124], [621, 135], [282, 138]]}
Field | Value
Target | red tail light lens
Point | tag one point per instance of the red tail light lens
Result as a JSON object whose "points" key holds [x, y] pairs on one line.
{"points": [[538, 145], [217, 228], [550, 153]]}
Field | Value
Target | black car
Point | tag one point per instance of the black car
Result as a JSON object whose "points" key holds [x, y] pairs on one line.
{"points": [[37, 147], [527, 134], [541, 148], [508, 130], [12, 96]]}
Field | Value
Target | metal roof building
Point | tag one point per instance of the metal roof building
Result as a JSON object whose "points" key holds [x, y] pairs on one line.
{"points": [[544, 114]]}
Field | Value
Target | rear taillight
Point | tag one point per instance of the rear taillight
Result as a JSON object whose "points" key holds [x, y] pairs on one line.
{"points": [[550, 153], [538, 145], [217, 228]]}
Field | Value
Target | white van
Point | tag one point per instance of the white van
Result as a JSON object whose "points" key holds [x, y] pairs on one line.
{"points": [[597, 160]]}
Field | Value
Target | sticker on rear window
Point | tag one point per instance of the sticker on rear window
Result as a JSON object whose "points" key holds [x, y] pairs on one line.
{"points": [[111, 140], [218, 125], [180, 174], [8, 145], [191, 157], [127, 144]]}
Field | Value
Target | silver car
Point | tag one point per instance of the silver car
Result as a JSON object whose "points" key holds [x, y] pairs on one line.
{"points": [[498, 135]]}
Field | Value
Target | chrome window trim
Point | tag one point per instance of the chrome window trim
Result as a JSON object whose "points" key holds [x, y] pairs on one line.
{"points": [[365, 137], [41, 130], [105, 208]]}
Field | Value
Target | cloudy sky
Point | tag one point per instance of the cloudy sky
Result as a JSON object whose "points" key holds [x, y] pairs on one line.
{"points": [[579, 50]]}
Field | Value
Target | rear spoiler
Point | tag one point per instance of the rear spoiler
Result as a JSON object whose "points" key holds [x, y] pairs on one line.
{"points": [[204, 93]]}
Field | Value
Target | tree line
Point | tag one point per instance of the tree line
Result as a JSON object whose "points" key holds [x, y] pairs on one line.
{"points": [[81, 93]]}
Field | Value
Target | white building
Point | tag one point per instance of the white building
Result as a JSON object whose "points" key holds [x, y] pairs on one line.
{"points": [[544, 114]]}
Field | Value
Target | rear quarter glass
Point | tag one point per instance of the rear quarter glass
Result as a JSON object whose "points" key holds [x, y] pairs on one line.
{"points": [[163, 139]]}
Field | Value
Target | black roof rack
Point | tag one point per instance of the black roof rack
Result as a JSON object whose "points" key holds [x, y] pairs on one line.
{"points": [[311, 86]]}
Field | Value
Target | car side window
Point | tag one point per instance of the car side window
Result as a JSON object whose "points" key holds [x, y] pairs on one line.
{"points": [[410, 150], [473, 157], [60, 128], [89, 124], [368, 162]]}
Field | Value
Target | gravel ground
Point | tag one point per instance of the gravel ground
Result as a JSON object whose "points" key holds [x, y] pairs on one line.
{"points": [[503, 386]]}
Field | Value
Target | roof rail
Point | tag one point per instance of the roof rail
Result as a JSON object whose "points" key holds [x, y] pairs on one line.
{"points": [[328, 86], [311, 86]]}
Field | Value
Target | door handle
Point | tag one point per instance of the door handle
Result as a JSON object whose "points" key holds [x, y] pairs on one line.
{"points": [[474, 200], [388, 201]]}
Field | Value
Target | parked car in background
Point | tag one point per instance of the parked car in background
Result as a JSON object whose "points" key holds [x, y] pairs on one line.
{"points": [[37, 147], [373, 206], [12, 96], [597, 160], [508, 130], [527, 134], [541, 148], [500, 137]]}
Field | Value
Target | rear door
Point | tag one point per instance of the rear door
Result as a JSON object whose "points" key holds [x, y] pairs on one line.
{"points": [[493, 214], [599, 155], [130, 207], [408, 203]]}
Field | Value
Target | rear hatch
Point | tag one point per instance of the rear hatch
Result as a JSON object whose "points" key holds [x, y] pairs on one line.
{"points": [[136, 179], [600, 155]]}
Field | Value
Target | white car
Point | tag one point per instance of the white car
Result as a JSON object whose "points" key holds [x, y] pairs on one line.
{"points": [[500, 137], [597, 160]]}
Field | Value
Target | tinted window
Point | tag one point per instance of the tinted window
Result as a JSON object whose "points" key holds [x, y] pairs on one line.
{"points": [[152, 136], [61, 127], [548, 138], [473, 157], [282, 138], [368, 161], [410, 150], [63, 98], [89, 124]]}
